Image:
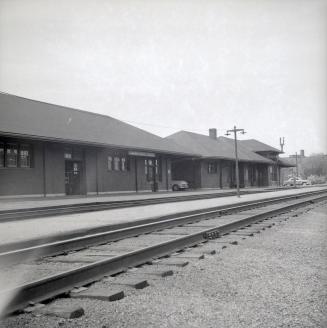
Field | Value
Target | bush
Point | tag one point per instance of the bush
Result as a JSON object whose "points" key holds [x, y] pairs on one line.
{"points": [[317, 179]]}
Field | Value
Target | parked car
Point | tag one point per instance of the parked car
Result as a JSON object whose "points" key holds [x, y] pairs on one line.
{"points": [[179, 185], [298, 182]]}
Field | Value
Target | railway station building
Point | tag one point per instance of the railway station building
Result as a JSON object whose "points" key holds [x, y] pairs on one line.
{"points": [[50, 150], [259, 164]]}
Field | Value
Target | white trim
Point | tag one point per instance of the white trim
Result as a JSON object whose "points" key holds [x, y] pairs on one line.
{"points": [[141, 154]]}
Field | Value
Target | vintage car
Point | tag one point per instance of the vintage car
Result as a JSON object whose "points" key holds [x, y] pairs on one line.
{"points": [[298, 182], [179, 185]]}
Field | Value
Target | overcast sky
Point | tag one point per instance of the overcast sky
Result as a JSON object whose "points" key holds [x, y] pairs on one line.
{"points": [[170, 65]]}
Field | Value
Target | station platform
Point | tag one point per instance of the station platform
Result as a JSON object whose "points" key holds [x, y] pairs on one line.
{"points": [[47, 227], [17, 203]]}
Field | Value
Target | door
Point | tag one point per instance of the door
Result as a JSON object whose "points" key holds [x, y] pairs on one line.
{"points": [[263, 176], [73, 173]]}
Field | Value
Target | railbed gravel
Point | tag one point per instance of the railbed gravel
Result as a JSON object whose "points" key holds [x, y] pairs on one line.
{"points": [[275, 279]]}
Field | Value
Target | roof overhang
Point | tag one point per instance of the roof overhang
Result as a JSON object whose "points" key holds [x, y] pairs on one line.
{"points": [[93, 144], [281, 163]]}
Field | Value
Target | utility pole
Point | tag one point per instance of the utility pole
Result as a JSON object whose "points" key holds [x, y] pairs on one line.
{"points": [[235, 130], [282, 143], [297, 169]]}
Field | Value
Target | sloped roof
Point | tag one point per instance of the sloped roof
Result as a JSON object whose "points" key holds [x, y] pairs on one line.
{"points": [[25, 117], [286, 162], [258, 146], [220, 148]]}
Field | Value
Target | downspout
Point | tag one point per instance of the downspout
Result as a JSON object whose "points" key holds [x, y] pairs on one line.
{"points": [[96, 173], [44, 175]]}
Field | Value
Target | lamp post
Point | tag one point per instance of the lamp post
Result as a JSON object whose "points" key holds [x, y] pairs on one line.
{"points": [[235, 130]]}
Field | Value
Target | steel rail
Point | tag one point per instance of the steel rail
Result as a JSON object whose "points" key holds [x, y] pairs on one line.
{"points": [[28, 213], [57, 284], [80, 242]]}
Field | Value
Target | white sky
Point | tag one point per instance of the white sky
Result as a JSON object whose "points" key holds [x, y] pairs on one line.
{"points": [[172, 65]]}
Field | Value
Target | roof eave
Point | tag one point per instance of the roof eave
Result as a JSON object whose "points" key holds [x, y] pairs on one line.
{"points": [[96, 144]]}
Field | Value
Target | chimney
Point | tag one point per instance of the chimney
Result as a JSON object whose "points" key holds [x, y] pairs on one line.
{"points": [[302, 152], [213, 133]]}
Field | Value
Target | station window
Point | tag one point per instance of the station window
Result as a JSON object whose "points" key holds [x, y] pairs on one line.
{"points": [[2, 155], [116, 163], [109, 163], [149, 169], [68, 153], [123, 164], [212, 167], [14, 155], [153, 166], [146, 167], [25, 156], [11, 155]]}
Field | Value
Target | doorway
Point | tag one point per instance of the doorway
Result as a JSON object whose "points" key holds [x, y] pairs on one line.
{"points": [[73, 177]]}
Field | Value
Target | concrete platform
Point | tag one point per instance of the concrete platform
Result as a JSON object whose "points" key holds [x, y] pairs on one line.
{"points": [[41, 202], [47, 227]]}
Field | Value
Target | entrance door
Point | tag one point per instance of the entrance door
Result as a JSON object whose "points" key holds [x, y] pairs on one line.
{"points": [[73, 172], [263, 176]]}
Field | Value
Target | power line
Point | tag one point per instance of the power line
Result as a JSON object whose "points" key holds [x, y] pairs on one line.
{"points": [[168, 127]]}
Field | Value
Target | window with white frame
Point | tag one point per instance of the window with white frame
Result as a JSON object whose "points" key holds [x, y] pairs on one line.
{"points": [[11, 155], [15, 155], [116, 163], [24, 156], [109, 163], [123, 164], [153, 167]]}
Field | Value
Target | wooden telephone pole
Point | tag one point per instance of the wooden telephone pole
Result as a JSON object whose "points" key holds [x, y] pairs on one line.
{"points": [[235, 130]]}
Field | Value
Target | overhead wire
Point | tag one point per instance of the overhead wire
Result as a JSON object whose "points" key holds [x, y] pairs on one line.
{"points": [[170, 127]]}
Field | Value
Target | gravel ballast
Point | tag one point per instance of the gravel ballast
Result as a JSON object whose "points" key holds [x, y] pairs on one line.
{"points": [[277, 278]]}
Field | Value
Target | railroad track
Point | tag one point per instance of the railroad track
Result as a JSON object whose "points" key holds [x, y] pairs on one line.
{"points": [[27, 213], [30, 244], [116, 251]]}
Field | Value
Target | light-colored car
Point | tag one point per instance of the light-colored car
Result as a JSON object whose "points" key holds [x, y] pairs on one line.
{"points": [[179, 185], [298, 182]]}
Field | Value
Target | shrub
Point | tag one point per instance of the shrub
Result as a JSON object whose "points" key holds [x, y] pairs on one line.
{"points": [[317, 179]]}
